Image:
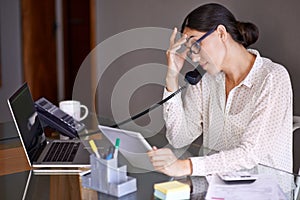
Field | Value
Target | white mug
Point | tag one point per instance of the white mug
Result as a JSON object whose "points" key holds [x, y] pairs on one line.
{"points": [[73, 108]]}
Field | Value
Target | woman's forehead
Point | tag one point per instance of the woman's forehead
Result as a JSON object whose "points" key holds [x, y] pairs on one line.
{"points": [[192, 33]]}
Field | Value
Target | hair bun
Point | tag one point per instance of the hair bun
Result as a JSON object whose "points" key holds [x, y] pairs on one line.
{"points": [[249, 33]]}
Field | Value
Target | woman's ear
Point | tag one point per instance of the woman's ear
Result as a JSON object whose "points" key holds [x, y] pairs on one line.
{"points": [[222, 32]]}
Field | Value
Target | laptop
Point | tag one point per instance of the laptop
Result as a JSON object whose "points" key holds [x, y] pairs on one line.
{"points": [[133, 146], [40, 151]]}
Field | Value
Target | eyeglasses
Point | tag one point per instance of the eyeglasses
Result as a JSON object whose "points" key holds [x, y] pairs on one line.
{"points": [[196, 47]]}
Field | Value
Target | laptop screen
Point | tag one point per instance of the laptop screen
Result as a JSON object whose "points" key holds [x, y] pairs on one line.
{"points": [[27, 121]]}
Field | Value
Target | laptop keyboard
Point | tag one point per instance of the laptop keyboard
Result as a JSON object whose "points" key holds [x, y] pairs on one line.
{"points": [[62, 152]]}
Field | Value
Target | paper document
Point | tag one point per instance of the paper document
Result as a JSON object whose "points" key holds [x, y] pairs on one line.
{"points": [[264, 188]]}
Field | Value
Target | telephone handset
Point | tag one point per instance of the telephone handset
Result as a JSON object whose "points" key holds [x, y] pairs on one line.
{"points": [[191, 77], [57, 119]]}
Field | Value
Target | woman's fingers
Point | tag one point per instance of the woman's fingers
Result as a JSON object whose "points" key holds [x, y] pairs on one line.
{"points": [[173, 36], [175, 45], [175, 60], [164, 160], [162, 164], [162, 157]]}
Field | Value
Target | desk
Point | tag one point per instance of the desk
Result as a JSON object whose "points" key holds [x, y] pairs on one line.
{"points": [[65, 186], [13, 186], [68, 187]]}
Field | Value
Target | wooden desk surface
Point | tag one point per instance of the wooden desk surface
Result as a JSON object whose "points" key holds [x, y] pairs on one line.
{"points": [[13, 160]]}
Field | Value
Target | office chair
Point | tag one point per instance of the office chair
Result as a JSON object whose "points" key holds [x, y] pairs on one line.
{"points": [[296, 125], [296, 122]]}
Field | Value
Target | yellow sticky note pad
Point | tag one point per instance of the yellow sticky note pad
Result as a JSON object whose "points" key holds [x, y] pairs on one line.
{"points": [[171, 187]]}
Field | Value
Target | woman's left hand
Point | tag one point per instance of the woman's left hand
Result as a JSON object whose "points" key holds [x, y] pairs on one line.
{"points": [[164, 160]]}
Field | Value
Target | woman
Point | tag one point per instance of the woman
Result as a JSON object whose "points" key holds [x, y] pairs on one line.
{"points": [[242, 106]]}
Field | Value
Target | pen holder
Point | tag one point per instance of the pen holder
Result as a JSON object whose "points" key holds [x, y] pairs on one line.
{"points": [[107, 178]]}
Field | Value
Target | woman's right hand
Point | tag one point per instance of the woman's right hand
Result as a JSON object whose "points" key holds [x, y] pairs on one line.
{"points": [[175, 61]]}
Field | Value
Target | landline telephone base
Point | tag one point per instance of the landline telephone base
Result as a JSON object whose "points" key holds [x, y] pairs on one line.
{"points": [[52, 116]]}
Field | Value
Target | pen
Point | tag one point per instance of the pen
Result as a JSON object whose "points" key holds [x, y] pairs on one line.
{"points": [[117, 145], [94, 148], [110, 153]]}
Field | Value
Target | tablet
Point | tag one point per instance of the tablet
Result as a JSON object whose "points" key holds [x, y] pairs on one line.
{"points": [[133, 146]]}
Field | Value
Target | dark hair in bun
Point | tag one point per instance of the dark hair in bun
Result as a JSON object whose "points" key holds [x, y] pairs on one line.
{"points": [[209, 16]]}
